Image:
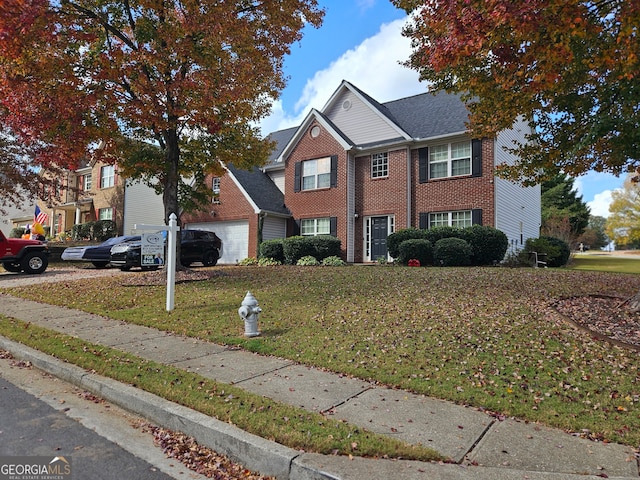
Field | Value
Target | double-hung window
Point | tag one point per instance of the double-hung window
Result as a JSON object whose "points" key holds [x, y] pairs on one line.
{"points": [[105, 214], [86, 182], [107, 176], [379, 165], [450, 160], [315, 226], [316, 173], [460, 219]]}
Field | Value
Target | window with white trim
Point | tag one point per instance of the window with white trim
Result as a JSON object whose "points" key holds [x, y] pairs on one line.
{"points": [[450, 160], [379, 165], [215, 185], [86, 182], [107, 176], [316, 173], [315, 226], [105, 214], [460, 219]]}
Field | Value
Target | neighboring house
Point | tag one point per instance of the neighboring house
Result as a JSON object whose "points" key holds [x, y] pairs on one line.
{"points": [[92, 192], [17, 217], [360, 170]]}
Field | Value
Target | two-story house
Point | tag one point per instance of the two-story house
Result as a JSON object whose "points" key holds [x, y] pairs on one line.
{"points": [[360, 170], [92, 192]]}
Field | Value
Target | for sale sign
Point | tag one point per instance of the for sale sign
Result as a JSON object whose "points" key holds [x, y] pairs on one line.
{"points": [[152, 249]]}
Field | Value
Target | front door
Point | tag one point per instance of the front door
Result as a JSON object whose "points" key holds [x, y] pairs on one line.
{"points": [[379, 232]]}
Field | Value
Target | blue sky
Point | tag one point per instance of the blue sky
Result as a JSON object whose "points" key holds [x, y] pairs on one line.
{"points": [[360, 41]]}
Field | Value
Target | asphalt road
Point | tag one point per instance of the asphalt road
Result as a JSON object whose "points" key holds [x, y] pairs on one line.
{"points": [[43, 416]]}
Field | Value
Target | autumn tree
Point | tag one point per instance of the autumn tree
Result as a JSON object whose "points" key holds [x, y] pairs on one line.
{"points": [[569, 67], [623, 223], [165, 88]]}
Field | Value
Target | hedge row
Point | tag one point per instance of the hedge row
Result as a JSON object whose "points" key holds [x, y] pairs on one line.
{"points": [[290, 250]]}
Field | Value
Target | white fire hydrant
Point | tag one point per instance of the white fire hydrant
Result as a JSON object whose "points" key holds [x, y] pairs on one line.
{"points": [[249, 312]]}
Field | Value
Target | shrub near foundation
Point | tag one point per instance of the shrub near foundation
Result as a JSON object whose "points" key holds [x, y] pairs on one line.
{"points": [[452, 252], [416, 248]]}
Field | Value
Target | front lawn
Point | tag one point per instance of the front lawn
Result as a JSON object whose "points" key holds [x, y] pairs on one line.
{"points": [[485, 337]]}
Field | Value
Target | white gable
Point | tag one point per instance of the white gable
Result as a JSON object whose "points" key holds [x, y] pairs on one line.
{"points": [[358, 120]]}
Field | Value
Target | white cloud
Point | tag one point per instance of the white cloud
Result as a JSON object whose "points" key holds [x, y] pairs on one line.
{"points": [[373, 66], [600, 204]]}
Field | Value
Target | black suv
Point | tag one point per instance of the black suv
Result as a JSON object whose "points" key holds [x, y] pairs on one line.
{"points": [[195, 246]]}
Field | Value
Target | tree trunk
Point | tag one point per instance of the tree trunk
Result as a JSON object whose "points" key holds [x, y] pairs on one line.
{"points": [[170, 183]]}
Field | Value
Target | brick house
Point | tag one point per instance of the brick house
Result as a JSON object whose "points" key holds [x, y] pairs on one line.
{"points": [[360, 170], [94, 191]]}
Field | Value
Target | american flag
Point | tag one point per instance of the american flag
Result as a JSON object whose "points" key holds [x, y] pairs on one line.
{"points": [[40, 217]]}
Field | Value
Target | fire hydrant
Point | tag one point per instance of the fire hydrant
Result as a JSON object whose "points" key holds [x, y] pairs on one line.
{"points": [[249, 312]]}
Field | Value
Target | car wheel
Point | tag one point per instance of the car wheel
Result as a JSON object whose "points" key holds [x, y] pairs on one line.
{"points": [[210, 258], [35, 262], [12, 267], [100, 264]]}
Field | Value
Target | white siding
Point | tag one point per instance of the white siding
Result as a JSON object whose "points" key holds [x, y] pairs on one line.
{"points": [[141, 206], [359, 122], [274, 227], [518, 209], [15, 213], [234, 235]]}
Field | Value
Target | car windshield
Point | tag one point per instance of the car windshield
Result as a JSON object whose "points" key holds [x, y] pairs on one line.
{"points": [[116, 240]]}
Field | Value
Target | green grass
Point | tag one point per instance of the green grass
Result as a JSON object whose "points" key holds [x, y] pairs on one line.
{"points": [[484, 337], [606, 263]]}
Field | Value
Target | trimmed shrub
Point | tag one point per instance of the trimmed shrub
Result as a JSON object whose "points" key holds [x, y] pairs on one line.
{"points": [[81, 231], [308, 261], [558, 251], [488, 245], [294, 248], [333, 261], [272, 249], [395, 239], [438, 233], [452, 252], [325, 246], [249, 261], [418, 248], [103, 230]]}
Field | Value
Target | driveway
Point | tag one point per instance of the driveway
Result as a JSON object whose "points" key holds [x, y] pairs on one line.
{"points": [[61, 273]]}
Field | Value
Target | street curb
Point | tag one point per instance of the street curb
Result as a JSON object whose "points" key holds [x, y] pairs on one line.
{"points": [[253, 452]]}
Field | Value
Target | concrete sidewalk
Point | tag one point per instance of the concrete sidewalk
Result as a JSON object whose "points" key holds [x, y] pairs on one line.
{"points": [[480, 446]]}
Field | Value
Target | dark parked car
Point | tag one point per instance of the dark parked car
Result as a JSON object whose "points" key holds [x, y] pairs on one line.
{"points": [[97, 254], [195, 246]]}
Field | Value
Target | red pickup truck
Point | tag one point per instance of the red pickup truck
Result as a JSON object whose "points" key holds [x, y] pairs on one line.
{"points": [[17, 255]]}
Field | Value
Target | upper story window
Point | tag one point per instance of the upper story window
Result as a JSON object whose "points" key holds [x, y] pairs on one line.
{"points": [[450, 160], [107, 176], [316, 173], [215, 185], [86, 182], [379, 165]]}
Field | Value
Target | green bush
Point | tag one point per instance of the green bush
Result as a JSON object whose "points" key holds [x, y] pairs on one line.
{"points": [[452, 252], [308, 261], [557, 251], [325, 246], [81, 231], [438, 233], [395, 239], [488, 245], [268, 262], [294, 248], [418, 248], [103, 230], [333, 261], [249, 261], [272, 249]]}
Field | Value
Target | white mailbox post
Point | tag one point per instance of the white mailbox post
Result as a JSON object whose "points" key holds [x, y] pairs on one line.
{"points": [[172, 229]]}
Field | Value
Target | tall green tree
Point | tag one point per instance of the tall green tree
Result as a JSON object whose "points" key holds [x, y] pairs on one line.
{"points": [[166, 88], [595, 236], [561, 200], [569, 67], [623, 223]]}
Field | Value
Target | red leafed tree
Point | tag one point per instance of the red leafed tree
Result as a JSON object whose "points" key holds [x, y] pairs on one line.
{"points": [[165, 88], [571, 67]]}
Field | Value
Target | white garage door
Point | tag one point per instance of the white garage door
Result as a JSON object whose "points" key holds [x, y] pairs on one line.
{"points": [[234, 236]]}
